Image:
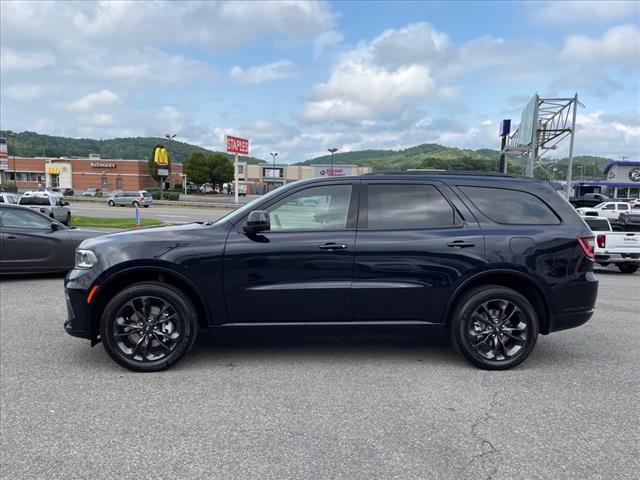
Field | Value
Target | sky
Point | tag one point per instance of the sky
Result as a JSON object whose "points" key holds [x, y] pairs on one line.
{"points": [[300, 77]]}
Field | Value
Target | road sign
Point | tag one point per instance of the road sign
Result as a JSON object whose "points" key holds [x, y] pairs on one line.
{"points": [[237, 145], [528, 122]]}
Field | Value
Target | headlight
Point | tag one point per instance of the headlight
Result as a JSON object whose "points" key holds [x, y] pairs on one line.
{"points": [[85, 258]]}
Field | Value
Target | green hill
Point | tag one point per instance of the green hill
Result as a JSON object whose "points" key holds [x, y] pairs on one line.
{"points": [[31, 144]]}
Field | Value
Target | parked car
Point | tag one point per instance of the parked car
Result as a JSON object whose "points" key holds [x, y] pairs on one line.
{"points": [[208, 188], [92, 192], [65, 192], [137, 198], [32, 242], [51, 205], [619, 248], [590, 200], [9, 198], [610, 210], [495, 260]]}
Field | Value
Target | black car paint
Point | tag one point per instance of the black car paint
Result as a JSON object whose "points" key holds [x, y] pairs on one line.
{"points": [[26, 250], [383, 276]]}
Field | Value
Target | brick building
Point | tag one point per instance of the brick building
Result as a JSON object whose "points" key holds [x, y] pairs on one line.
{"points": [[83, 173]]}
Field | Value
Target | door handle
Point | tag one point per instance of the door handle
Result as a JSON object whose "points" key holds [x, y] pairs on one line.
{"points": [[11, 237], [333, 246], [460, 244]]}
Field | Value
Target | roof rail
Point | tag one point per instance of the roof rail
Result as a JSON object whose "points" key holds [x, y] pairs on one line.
{"points": [[442, 172]]}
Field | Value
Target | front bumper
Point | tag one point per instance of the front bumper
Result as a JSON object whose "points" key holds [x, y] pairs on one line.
{"points": [[77, 323]]}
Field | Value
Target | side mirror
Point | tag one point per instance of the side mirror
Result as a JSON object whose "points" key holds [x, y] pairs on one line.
{"points": [[55, 226], [257, 221]]}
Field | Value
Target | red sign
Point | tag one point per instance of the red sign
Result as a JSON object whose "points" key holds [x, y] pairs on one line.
{"points": [[237, 145]]}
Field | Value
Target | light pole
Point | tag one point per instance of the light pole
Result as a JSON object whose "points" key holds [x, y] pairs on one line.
{"points": [[274, 155], [169, 137], [12, 136], [332, 150], [581, 167]]}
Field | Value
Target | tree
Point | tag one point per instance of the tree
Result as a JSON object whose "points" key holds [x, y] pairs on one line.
{"points": [[214, 168]]}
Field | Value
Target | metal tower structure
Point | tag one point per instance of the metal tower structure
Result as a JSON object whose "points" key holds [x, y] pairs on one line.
{"points": [[545, 122]]}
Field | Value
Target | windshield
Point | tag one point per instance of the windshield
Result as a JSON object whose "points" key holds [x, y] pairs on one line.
{"points": [[600, 205], [34, 201]]}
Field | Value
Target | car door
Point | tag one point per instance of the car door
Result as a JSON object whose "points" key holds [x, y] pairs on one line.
{"points": [[30, 244], [609, 210], [415, 241], [301, 270]]}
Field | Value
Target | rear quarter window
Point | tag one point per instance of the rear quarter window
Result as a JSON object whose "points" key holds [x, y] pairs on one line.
{"points": [[508, 206]]}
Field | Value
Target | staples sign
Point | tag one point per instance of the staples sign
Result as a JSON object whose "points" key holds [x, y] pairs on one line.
{"points": [[237, 145]]}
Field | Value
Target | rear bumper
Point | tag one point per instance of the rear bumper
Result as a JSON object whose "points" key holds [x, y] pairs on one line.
{"points": [[617, 258], [576, 303]]}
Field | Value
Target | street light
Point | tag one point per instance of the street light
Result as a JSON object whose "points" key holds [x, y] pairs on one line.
{"points": [[169, 137], [274, 155], [332, 150], [581, 167]]}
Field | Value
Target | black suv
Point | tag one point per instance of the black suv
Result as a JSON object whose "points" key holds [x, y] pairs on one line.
{"points": [[494, 259]]}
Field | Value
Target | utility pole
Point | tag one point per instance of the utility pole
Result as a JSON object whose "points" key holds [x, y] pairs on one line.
{"points": [[332, 151], [12, 136], [169, 137], [274, 155], [571, 142]]}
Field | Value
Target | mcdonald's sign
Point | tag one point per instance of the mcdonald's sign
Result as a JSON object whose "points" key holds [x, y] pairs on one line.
{"points": [[161, 156]]}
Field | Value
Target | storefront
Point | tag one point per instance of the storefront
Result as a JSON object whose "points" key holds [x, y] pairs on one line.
{"points": [[83, 173], [623, 181]]}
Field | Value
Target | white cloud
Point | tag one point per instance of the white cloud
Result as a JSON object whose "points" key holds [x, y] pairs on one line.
{"points": [[98, 120], [618, 45], [13, 61], [263, 73], [24, 92], [103, 98], [583, 12], [326, 40]]}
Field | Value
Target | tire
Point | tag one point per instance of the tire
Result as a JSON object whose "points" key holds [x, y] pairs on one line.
{"points": [[604, 264], [146, 206], [135, 204], [628, 267], [135, 352], [67, 220], [111, 203], [495, 350]]}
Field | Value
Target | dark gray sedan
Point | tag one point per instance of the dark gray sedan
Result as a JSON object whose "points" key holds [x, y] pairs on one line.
{"points": [[31, 242]]}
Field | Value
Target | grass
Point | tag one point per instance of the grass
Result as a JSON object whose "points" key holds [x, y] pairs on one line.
{"points": [[107, 222]]}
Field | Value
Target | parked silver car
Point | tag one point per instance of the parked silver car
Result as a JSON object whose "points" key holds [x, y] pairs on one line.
{"points": [[9, 198], [51, 205], [92, 192], [135, 198]]}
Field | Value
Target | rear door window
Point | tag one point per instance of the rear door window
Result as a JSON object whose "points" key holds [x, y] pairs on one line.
{"points": [[405, 206], [515, 207]]}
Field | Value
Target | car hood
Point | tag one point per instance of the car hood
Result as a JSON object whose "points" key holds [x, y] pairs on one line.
{"points": [[83, 234], [147, 235]]}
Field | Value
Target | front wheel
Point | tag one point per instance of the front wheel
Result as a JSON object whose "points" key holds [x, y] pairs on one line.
{"points": [[494, 327], [148, 326], [628, 267]]}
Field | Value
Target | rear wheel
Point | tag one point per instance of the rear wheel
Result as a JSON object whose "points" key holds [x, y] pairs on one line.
{"points": [[67, 220], [494, 327], [135, 204], [148, 326], [628, 267], [111, 203]]}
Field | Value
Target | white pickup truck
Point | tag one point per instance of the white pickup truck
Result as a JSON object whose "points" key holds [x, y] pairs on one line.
{"points": [[620, 248], [610, 210]]}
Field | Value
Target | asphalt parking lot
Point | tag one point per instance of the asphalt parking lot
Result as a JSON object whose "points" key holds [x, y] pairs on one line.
{"points": [[332, 404]]}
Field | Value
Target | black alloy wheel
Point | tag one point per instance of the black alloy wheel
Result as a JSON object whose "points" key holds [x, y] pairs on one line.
{"points": [[148, 326], [494, 327]]}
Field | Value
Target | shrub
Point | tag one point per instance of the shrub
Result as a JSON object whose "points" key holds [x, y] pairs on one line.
{"points": [[177, 187], [9, 187], [155, 194], [174, 196]]}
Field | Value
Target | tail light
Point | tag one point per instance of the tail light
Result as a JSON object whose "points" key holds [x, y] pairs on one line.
{"points": [[142, 198], [587, 245], [602, 241]]}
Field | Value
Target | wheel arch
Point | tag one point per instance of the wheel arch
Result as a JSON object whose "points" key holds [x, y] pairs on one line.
{"points": [[126, 277], [515, 280]]}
